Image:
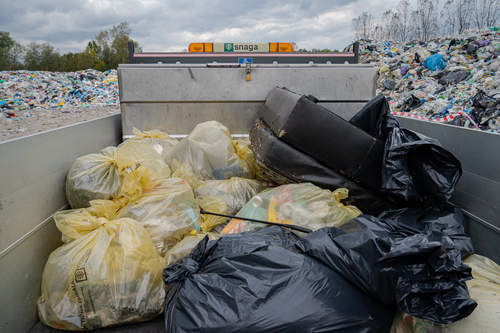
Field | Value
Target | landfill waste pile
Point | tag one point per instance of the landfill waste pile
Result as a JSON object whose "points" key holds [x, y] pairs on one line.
{"points": [[269, 234], [34, 101], [21, 90], [452, 79]]}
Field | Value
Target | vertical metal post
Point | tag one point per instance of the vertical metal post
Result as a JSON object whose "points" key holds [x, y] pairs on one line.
{"points": [[356, 52]]}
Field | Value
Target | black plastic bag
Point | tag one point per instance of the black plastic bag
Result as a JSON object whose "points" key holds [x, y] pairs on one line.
{"points": [[371, 116], [405, 256], [453, 77], [258, 282], [431, 277], [417, 167]]}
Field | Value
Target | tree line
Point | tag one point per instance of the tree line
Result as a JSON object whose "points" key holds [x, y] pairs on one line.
{"points": [[108, 49], [425, 21]]}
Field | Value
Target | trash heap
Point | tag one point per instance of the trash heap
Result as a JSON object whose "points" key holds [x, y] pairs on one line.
{"points": [[23, 90], [452, 79], [268, 233]]}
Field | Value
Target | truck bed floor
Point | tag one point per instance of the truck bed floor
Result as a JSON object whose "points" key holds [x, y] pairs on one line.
{"points": [[154, 326]]}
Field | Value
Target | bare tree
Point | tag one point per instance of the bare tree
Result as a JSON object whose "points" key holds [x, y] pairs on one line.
{"points": [[486, 13], [390, 22], [405, 28], [456, 16], [425, 19], [362, 26], [398, 24], [378, 32]]}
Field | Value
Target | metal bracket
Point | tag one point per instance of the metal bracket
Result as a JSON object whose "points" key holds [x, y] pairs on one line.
{"points": [[248, 72]]}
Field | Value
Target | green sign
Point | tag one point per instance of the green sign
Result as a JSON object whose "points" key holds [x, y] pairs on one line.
{"points": [[228, 47]]}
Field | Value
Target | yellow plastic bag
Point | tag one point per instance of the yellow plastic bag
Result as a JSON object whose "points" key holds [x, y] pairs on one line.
{"points": [[168, 211], [160, 141], [140, 167], [185, 246], [235, 191], [244, 151], [108, 273], [93, 177], [213, 204], [209, 152], [303, 204], [484, 288], [181, 170]]}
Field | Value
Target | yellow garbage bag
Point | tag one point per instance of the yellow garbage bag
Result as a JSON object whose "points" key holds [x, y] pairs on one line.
{"points": [[93, 177], [302, 204], [484, 288], [185, 246], [108, 273], [181, 170], [140, 167], [167, 211], [244, 151], [213, 204], [235, 191], [209, 152], [160, 141]]}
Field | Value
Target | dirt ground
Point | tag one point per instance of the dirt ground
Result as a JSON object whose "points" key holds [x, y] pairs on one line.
{"points": [[25, 122]]}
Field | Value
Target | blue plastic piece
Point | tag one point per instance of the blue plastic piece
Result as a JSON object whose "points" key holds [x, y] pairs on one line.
{"points": [[435, 62]]}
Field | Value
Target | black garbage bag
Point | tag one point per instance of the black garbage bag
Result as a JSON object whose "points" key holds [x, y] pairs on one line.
{"points": [[371, 116], [417, 167], [431, 277], [453, 77], [405, 256], [258, 282]]}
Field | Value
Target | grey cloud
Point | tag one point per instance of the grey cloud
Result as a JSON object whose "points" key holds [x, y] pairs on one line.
{"points": [[172, 25]]}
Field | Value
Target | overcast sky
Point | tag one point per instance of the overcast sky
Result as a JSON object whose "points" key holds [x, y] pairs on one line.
{"points": [[171, 25]]}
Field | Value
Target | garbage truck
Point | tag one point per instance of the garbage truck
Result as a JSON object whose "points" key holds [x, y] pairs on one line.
{"points": [[174, 93]]}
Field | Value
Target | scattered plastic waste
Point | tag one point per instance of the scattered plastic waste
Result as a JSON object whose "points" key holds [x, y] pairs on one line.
{"points": [[444, 75], [21, 90]]}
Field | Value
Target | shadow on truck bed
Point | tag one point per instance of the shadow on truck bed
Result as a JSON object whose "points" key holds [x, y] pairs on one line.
{"points": [[154, 326]]}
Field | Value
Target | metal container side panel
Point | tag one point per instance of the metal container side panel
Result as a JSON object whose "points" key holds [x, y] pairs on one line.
{"points": [[181, 118], [34, 170], [478, 191], [170, 99], [175, 84]]}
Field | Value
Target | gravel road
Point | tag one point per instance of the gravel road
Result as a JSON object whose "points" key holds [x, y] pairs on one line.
{"points": [[26, 122]]}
